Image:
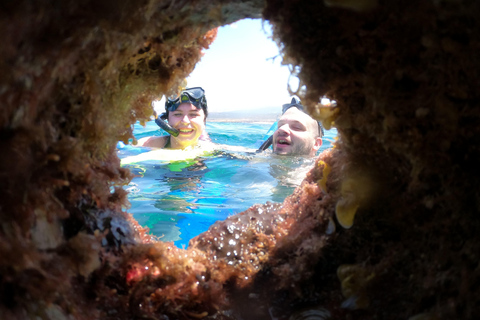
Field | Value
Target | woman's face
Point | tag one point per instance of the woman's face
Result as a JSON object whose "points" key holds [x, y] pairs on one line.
{"points": [[190, 122]]}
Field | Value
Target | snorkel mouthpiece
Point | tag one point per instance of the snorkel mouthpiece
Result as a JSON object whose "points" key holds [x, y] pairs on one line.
{"points": [[267, 143], [165, 126]]}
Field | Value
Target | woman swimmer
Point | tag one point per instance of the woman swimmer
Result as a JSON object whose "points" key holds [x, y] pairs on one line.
{"points": [[187, 115]]}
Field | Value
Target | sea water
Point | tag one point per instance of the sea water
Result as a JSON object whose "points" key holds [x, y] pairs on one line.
{"points": [[178, 200]]}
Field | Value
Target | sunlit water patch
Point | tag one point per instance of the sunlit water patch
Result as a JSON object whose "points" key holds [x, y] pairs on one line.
{"points": [[178, 200]]}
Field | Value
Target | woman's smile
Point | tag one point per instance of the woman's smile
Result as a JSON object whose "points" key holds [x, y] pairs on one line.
{"points": [[186, 131]]}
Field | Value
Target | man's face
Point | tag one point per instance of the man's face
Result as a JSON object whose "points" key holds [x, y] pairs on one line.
{"points": [[296, 134]]}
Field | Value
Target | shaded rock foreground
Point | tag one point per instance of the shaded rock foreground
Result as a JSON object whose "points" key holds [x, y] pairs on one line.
{"points": [[384, 226]]}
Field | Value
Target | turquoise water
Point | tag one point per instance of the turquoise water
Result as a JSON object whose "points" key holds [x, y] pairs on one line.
{"points": [[178, 200]]}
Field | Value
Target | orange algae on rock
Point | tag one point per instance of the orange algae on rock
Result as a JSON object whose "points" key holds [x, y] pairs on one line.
{"points": [[404, 76], [388, 69], [325, 172], [75, 76]]}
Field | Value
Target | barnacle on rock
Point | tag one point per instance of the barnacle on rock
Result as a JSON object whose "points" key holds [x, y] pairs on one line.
{"points": [[354, 279], [348, 204], [355, 191], [345, 210], [46, 233], [326, 113], [330, 227]]}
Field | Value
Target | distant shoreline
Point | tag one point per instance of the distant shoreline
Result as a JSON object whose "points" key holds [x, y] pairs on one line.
{"points": [[242, 117], [272, 120]]}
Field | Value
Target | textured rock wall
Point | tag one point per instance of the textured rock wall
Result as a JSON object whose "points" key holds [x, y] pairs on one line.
{"points": [[405, 77], [383, 227]]}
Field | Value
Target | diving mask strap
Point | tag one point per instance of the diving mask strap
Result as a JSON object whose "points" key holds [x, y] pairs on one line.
{"points": [[165, 126]]}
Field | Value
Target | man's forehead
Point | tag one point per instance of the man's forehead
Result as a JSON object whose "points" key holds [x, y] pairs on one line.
{"points": [[293, 114]]}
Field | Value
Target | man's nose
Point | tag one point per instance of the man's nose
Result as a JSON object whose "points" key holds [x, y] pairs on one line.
{"points": [[284, 128], [185, 119]]}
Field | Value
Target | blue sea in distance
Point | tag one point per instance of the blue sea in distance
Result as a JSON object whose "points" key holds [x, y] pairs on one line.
{"points": [[177, 200]]}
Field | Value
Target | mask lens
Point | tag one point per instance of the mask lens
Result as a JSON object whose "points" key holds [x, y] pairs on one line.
{"points": [[172, 104], [288, 106], [192, 95], [195, 93]]}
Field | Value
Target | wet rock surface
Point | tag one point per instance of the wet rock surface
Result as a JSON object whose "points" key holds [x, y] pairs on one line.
{"points": [[384, 226]]}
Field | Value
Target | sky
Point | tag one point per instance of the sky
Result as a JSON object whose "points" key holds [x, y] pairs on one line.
{"points": [[242, 69]]}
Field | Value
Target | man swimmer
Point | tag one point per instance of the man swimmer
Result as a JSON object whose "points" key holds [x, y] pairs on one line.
{"points": [[187, 115], [297, 133]]}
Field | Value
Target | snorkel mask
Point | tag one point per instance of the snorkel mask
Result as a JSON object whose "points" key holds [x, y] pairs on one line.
{"points": [[195, 96]]}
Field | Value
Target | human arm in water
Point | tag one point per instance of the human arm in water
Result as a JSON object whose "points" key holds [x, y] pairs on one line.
{"points": [[159, 142], [153, 142]]}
